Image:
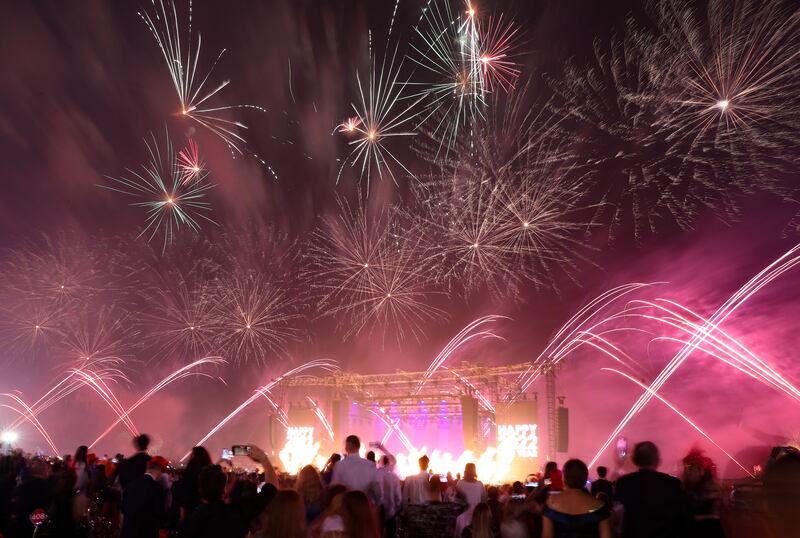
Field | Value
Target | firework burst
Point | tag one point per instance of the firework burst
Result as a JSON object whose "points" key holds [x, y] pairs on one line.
{"points": [[496, 51], [733, 76], [183, 321], [256, 318], [190, 162], [182, 57], [449, 55], [381, 116], [92, 335], [30, 329], [644, 181], [171, 204], [372, 270]]}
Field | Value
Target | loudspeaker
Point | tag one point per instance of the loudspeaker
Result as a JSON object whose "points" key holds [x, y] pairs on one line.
{"points": [[469, 421], [562, 438], [338, 408]]}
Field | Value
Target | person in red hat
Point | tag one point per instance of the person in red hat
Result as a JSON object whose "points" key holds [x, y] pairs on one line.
{"points": [[143, 502]]}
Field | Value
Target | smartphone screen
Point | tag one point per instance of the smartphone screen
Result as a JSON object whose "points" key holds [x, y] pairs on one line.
{"points": [[226, 454], [241, 450]]}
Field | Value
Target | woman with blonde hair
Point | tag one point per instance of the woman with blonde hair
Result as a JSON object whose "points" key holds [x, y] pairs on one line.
{"points": [[481, 525]]}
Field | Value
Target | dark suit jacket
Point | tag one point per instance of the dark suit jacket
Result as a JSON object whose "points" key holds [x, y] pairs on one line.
{"points": [[655, 505], [132, 468], [601, 485], [143, 508]]}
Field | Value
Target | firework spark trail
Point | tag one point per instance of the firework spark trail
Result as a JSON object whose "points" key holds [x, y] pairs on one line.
{"points": [[74, 381], [190, 162], [28, 415], [773, 271], [564, 340], [323, 364], [605, 346], [182, 59], [393, 428], [321, 416], [684, 417], [181, 373], [485, 402], [101, 388], [381, 118], [471, 331], [281, 414], [722, 346], [170, 203], [35, 423]]}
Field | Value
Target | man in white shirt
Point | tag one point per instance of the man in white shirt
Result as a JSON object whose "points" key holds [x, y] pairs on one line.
{"points": [[415, 488], [355, 472], [391, 494]]}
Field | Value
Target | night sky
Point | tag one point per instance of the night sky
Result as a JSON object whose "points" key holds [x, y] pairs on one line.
{"points": [[84, 83]]}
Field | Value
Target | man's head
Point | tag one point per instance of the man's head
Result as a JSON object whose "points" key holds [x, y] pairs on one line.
{"points": [[371, 456], [211, 483], [646, 456], [141, 442], [156, 466], [423, 463], [602, 472], [352, 444], [386, 461]]}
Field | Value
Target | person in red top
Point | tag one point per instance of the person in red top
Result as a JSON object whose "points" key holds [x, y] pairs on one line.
{"points": [[554, 480]]}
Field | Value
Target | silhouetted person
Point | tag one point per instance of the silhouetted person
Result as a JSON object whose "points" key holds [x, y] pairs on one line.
{"points": [[134, 467], [782, 496], [601, 485], [186, 490], [655, 504], [704, 496], [213, 518], [144, 502], [327, 470], [371, 457]]}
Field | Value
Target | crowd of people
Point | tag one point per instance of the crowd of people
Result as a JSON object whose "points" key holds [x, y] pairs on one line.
{"points": [[143, 496]]}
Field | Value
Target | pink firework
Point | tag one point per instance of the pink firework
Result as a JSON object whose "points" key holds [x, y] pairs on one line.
{"points": [[496, 50], [349, 125], [190, 162]]}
